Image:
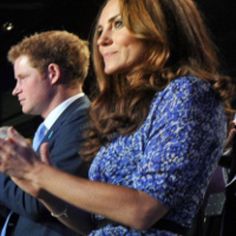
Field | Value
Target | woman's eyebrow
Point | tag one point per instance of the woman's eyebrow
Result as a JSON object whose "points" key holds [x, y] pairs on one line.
{"points": [[109, 20]]}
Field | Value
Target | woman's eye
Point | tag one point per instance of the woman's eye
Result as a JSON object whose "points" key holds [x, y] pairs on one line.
{"points": [[99, 32], [118, 24]]}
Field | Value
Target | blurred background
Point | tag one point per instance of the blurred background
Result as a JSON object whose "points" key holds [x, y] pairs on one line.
{"points": [[20, 18]]}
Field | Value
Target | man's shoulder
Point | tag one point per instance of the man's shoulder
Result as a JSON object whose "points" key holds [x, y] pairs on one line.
{"points": [[77, 109]]}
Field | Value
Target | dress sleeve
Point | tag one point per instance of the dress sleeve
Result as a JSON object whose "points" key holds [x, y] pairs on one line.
{"points": [[185, 132]]}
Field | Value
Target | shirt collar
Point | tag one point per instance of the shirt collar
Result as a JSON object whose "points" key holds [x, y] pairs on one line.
{"points": [[57, 111]]}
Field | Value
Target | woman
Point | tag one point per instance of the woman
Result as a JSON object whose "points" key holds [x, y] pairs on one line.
{"points": [[157, 125]]}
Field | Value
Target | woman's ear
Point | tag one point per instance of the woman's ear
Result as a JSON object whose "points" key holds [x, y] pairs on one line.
{"points": [[54, 73]]}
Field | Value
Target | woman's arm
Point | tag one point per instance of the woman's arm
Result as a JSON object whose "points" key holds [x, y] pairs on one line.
{"points": [[124, 205], [64, 212]]}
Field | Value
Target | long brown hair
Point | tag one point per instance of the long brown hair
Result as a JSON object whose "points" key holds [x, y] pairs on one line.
{"points": [[177, 44]]}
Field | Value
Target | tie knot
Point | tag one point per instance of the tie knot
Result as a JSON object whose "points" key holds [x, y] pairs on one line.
{"points": [[39, 135]]}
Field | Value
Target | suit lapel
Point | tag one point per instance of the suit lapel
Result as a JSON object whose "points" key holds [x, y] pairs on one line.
{"points": [[64, 116]]}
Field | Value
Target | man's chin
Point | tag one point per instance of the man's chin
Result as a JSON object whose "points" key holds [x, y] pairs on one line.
{"points": [[30, 111], [27, 111]]}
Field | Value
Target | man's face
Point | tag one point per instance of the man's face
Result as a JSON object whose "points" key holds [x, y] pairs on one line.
{"points": [[32, 88]]}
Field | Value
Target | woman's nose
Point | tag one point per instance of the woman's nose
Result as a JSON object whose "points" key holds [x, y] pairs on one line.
{"points": [[105, 38]]}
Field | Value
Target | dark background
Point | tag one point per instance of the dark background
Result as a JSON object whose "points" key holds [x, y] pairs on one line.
{"points": [[27, 17]]}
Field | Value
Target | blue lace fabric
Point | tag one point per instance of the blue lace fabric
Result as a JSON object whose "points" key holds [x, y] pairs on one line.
{"points": [[170, 156]]}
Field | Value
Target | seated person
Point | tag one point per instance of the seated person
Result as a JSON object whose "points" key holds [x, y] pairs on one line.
{"points": [[157, 130]]}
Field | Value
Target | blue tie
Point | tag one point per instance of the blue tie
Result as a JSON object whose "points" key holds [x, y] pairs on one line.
{"points": [[4, 228], [38, 137]]}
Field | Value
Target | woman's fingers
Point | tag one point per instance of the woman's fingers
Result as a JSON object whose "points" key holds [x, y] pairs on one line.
{"points": [[44, 153], [16, 137]]}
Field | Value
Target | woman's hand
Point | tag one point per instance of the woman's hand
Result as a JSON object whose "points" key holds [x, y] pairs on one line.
{"points": [[19, 161], [16, 155]]}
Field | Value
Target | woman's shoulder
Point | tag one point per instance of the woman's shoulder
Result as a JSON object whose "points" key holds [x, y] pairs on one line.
{"points": [[186, 91], [185, 86], [191, 83]]}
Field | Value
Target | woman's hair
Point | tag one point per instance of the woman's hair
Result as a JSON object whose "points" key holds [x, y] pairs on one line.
{"points": [[177, 43], [61, 47]]}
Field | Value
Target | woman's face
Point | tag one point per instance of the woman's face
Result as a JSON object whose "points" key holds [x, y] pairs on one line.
{"points": [[120, 50]]}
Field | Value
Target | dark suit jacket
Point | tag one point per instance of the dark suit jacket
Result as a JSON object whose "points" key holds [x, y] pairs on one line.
{"points": [[229, 214], [64, 139]]}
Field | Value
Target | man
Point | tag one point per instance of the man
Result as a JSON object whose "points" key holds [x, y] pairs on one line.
{"points": [[50, 69], [228, 161]]}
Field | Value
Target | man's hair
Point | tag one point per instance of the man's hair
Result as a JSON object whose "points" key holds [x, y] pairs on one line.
{"points": [[65, 49]]}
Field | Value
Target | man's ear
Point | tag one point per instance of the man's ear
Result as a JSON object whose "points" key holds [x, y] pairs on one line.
{"points": [[54, 73]]}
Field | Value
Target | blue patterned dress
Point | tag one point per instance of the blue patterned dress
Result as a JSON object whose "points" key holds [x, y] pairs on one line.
{"points": [[170, 156]]}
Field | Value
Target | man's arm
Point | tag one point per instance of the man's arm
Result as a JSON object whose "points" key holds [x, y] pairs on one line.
{"points": [[63, 148]]}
